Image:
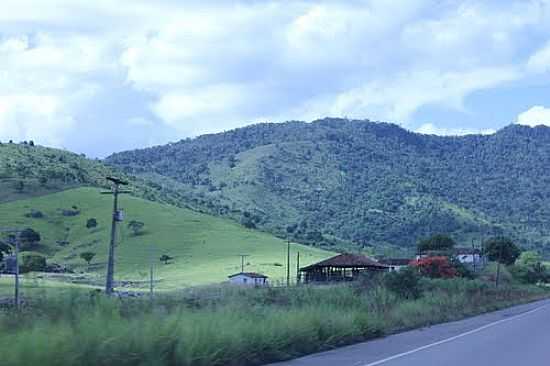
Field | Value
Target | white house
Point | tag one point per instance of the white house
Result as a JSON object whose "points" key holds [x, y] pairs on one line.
{"points": [[248, 279], [468, 255]]}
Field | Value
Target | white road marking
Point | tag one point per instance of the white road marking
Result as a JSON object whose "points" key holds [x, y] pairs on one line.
{"points": [[400, 355]]}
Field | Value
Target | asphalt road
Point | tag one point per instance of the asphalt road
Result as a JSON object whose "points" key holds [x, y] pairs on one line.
{"points": [[516, 336]]}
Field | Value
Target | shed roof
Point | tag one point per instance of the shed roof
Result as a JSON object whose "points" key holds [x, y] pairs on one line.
{"points": [[248, 274], [347, 261]]}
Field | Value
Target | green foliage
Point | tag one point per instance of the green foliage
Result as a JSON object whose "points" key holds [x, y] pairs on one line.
{"points": [[136, 227], [165, 258], [529, 269], [29, 238], [87, 256], [404, 283], [361, 182], [33, 263], [91, 223], [489, 274], [218, 326], [438, 242], [502, 249]]}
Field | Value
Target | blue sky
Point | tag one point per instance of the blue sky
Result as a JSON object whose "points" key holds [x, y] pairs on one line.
{"points": [[103, 76]]}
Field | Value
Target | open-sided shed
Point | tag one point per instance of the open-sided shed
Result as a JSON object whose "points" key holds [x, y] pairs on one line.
{"points": [[343, 267]]}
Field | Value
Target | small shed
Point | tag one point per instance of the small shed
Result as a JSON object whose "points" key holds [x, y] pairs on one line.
{"points": [[343, 267], [395, 264], [248, 279]]}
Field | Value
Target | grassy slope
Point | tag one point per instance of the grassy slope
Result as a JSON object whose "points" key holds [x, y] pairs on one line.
{"points": [[206, 248]]}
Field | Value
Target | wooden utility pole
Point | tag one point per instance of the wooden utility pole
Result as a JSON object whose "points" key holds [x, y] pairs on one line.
{"points": [[298, 268], [243, 256], [497, 279], [117, 217], [288, 263], [151, 267], [17, 238]]}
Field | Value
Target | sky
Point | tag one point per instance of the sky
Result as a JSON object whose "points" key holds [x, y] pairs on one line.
{"points": [[101, 76]]}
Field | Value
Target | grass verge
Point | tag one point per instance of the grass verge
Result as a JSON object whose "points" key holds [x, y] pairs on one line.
{"points": [[231, 326]]}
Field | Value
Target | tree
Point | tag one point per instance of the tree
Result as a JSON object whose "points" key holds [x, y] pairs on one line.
{"points": [[91, 223], [19, 186], [502, 249], [435, 267], [136, 227], [33, 263], [165, 258], [404, 283], [438, 242], [530, 269], [5, 248], [29, 238], [87, 256]]}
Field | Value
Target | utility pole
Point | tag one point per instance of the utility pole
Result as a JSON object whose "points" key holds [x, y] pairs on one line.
{"points": [[288, 263], [17, 237], [298, 268], [117, 217], [474, 255], [243, 256], [152, 261], [497, 280]]}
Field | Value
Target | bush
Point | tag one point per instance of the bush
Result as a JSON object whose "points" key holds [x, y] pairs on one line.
{"points": [[404, 283], [33, 263], [489, 273], [435, 267], [91, 223], [502, 250]]}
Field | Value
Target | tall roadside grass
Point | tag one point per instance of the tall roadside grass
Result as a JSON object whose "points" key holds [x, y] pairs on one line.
{"points": [[229, 326]]}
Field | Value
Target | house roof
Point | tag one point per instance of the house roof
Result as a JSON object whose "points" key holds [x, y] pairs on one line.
{"points": [[347, 261], [248, 274], [395, 261]]}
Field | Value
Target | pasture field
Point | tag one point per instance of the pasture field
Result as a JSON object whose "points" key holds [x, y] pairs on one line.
{"points": [[205, 249]]}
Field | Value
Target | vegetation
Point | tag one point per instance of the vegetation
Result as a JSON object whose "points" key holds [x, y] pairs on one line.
{"points": [[87, 256], [435, 267], [438, 242], [340, 181], [136, 227], [230, 326], [91, 223], [502, 250], [206, 247]]}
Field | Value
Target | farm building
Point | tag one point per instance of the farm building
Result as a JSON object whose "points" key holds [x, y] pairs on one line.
{"points": [[248, 279], [395, 264], [343, 267]]}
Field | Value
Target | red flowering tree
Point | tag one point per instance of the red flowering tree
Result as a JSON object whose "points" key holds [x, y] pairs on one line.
{"points": [[435, 267]]}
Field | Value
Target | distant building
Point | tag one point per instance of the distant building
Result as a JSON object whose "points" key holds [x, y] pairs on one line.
{"points": [[395, 264], [469, 256], [465, 255], [249, 279], [343, 267]]}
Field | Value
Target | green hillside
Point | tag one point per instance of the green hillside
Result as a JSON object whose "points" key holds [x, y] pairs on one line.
{"points": [[337, 181], [205, 248]]}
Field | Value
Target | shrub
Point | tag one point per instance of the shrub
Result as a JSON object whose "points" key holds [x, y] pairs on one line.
{"points": [[29, 238], [35, 214], [33, 263], [435, 267], [489, 273], [404, 283], [136, 227], [502, 250], [91, 223]]}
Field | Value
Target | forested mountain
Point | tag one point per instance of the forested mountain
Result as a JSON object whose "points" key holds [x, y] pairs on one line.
{"points": [[337, 181]]}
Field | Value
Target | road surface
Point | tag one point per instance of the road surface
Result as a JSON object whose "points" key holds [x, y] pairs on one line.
{"points": [[512, 337]]}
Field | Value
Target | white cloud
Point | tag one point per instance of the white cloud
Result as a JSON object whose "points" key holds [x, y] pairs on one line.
{"points": [[26, 117], [431, 129], [540, 60], [534, 116], [204, 66]]}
